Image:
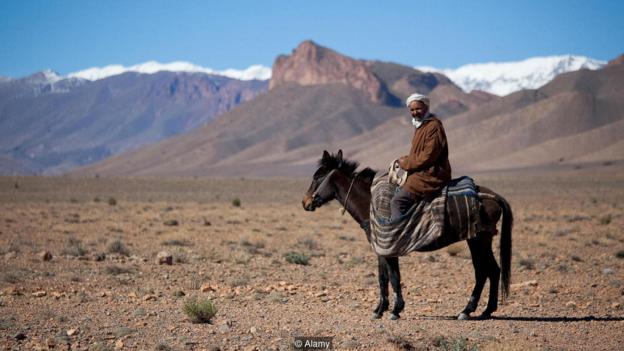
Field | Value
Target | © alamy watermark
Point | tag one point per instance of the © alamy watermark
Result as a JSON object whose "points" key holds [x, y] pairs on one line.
{"points": [[313, 343]]}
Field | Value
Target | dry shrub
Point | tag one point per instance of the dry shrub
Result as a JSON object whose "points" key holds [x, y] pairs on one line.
{"points": [[199, 311]]}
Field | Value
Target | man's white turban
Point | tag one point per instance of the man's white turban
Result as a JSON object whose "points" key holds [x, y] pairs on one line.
{"points": [[417, 97]]}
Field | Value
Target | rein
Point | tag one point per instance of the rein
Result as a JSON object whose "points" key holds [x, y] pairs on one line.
{"points": [[344, 207]]}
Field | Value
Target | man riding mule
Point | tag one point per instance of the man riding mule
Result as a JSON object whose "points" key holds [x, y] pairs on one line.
{"points": [[427, 165]]}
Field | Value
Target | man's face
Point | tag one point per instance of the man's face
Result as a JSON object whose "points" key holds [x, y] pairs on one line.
{"points": [[418, 109]]}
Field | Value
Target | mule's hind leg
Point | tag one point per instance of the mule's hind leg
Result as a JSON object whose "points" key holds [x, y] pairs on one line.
{"points": [[493, 271], [395, 280], [383, 304], [478, 262]]}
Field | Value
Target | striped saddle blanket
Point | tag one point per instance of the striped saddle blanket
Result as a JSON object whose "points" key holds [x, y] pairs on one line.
{"points": [[429, 225]]}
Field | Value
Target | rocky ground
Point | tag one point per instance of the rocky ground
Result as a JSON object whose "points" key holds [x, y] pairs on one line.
{"points": [[80, 269]]}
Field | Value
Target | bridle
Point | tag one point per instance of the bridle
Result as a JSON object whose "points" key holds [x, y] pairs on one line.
{"points": [[326, 181]]}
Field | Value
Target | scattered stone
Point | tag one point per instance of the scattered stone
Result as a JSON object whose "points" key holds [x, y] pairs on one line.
{"points": [[12, 291], [164, 257], [39, 293], [207, 288], [616, 305], [253, 330], [149, 298], [179, 293], [45, 255], [571, 304], [171, 222], [224, 328], [524, 284], [119, 344], [99, 257], [50, 343], [10, 255], [320, 294], [72, 332], [608, 271]]}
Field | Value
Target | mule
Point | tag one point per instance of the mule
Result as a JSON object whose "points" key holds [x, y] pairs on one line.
{"points": [[336, 179]]}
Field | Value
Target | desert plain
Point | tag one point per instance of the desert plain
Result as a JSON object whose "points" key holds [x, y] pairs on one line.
{"points": [[79, 268]]}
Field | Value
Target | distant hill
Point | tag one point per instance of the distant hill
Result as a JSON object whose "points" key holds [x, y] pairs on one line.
{"points": [[317, 97], [52, 124], [315, 102]]}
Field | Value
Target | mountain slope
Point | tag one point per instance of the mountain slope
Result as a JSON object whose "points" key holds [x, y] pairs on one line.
{"points": [[318, 97], [315, 105], [66, 123]]}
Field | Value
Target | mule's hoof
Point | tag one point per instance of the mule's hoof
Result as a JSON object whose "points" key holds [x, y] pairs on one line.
{"points": [[394, 317], [463, 317], [484, 316], [376, 316]]}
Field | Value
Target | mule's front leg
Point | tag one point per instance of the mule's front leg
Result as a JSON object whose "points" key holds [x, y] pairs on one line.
{"points": [[395, 280], [383, 304]]}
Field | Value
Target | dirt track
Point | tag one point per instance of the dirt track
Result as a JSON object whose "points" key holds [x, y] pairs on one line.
{"points": [[567, 271]]}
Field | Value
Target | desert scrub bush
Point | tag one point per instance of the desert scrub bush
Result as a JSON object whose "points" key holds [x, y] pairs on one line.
{"points": [[297, 258], [606, 219], [116, 270], [527, 263], [199, 311], [453, 344], [236, 202], [74, 248], [112, 201], [308, 243], [619, 254], [117, 247], [176, 242]]}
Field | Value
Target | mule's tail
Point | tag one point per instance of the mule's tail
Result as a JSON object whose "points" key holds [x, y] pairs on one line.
{"points": [[505, 245]]}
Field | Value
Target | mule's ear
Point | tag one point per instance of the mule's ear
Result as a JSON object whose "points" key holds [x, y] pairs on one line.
{"points": [[339, 158], [326, 155]]}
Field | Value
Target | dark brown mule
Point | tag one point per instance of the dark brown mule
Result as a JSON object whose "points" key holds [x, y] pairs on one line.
{"points": [[336, 178]]}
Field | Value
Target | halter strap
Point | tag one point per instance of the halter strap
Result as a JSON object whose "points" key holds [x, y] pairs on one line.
{"points": [[324, 182]]}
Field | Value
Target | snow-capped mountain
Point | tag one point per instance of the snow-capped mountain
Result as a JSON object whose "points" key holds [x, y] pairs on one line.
{"points": [[252, 72], [502, 78]]}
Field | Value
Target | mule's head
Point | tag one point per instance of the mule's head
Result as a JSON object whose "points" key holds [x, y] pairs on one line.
{"points": [[323, 187]]}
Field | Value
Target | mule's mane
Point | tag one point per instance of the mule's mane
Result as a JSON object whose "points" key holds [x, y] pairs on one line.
{"points": [[346, 166]]}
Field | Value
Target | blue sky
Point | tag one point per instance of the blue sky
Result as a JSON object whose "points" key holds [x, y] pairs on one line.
{"points": [[68, 36]]}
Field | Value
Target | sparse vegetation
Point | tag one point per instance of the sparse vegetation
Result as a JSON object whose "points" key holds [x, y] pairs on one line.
{"points": [[98, 346], [527, 263], [116, 270], [606, 219], [453, 344], [180, 256], [74, 247], [112, 201], [199, 311], [118, 247], [619, 254], [346, 238], [176, 242], [308, 243], [297, 258], [236, 202]]}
